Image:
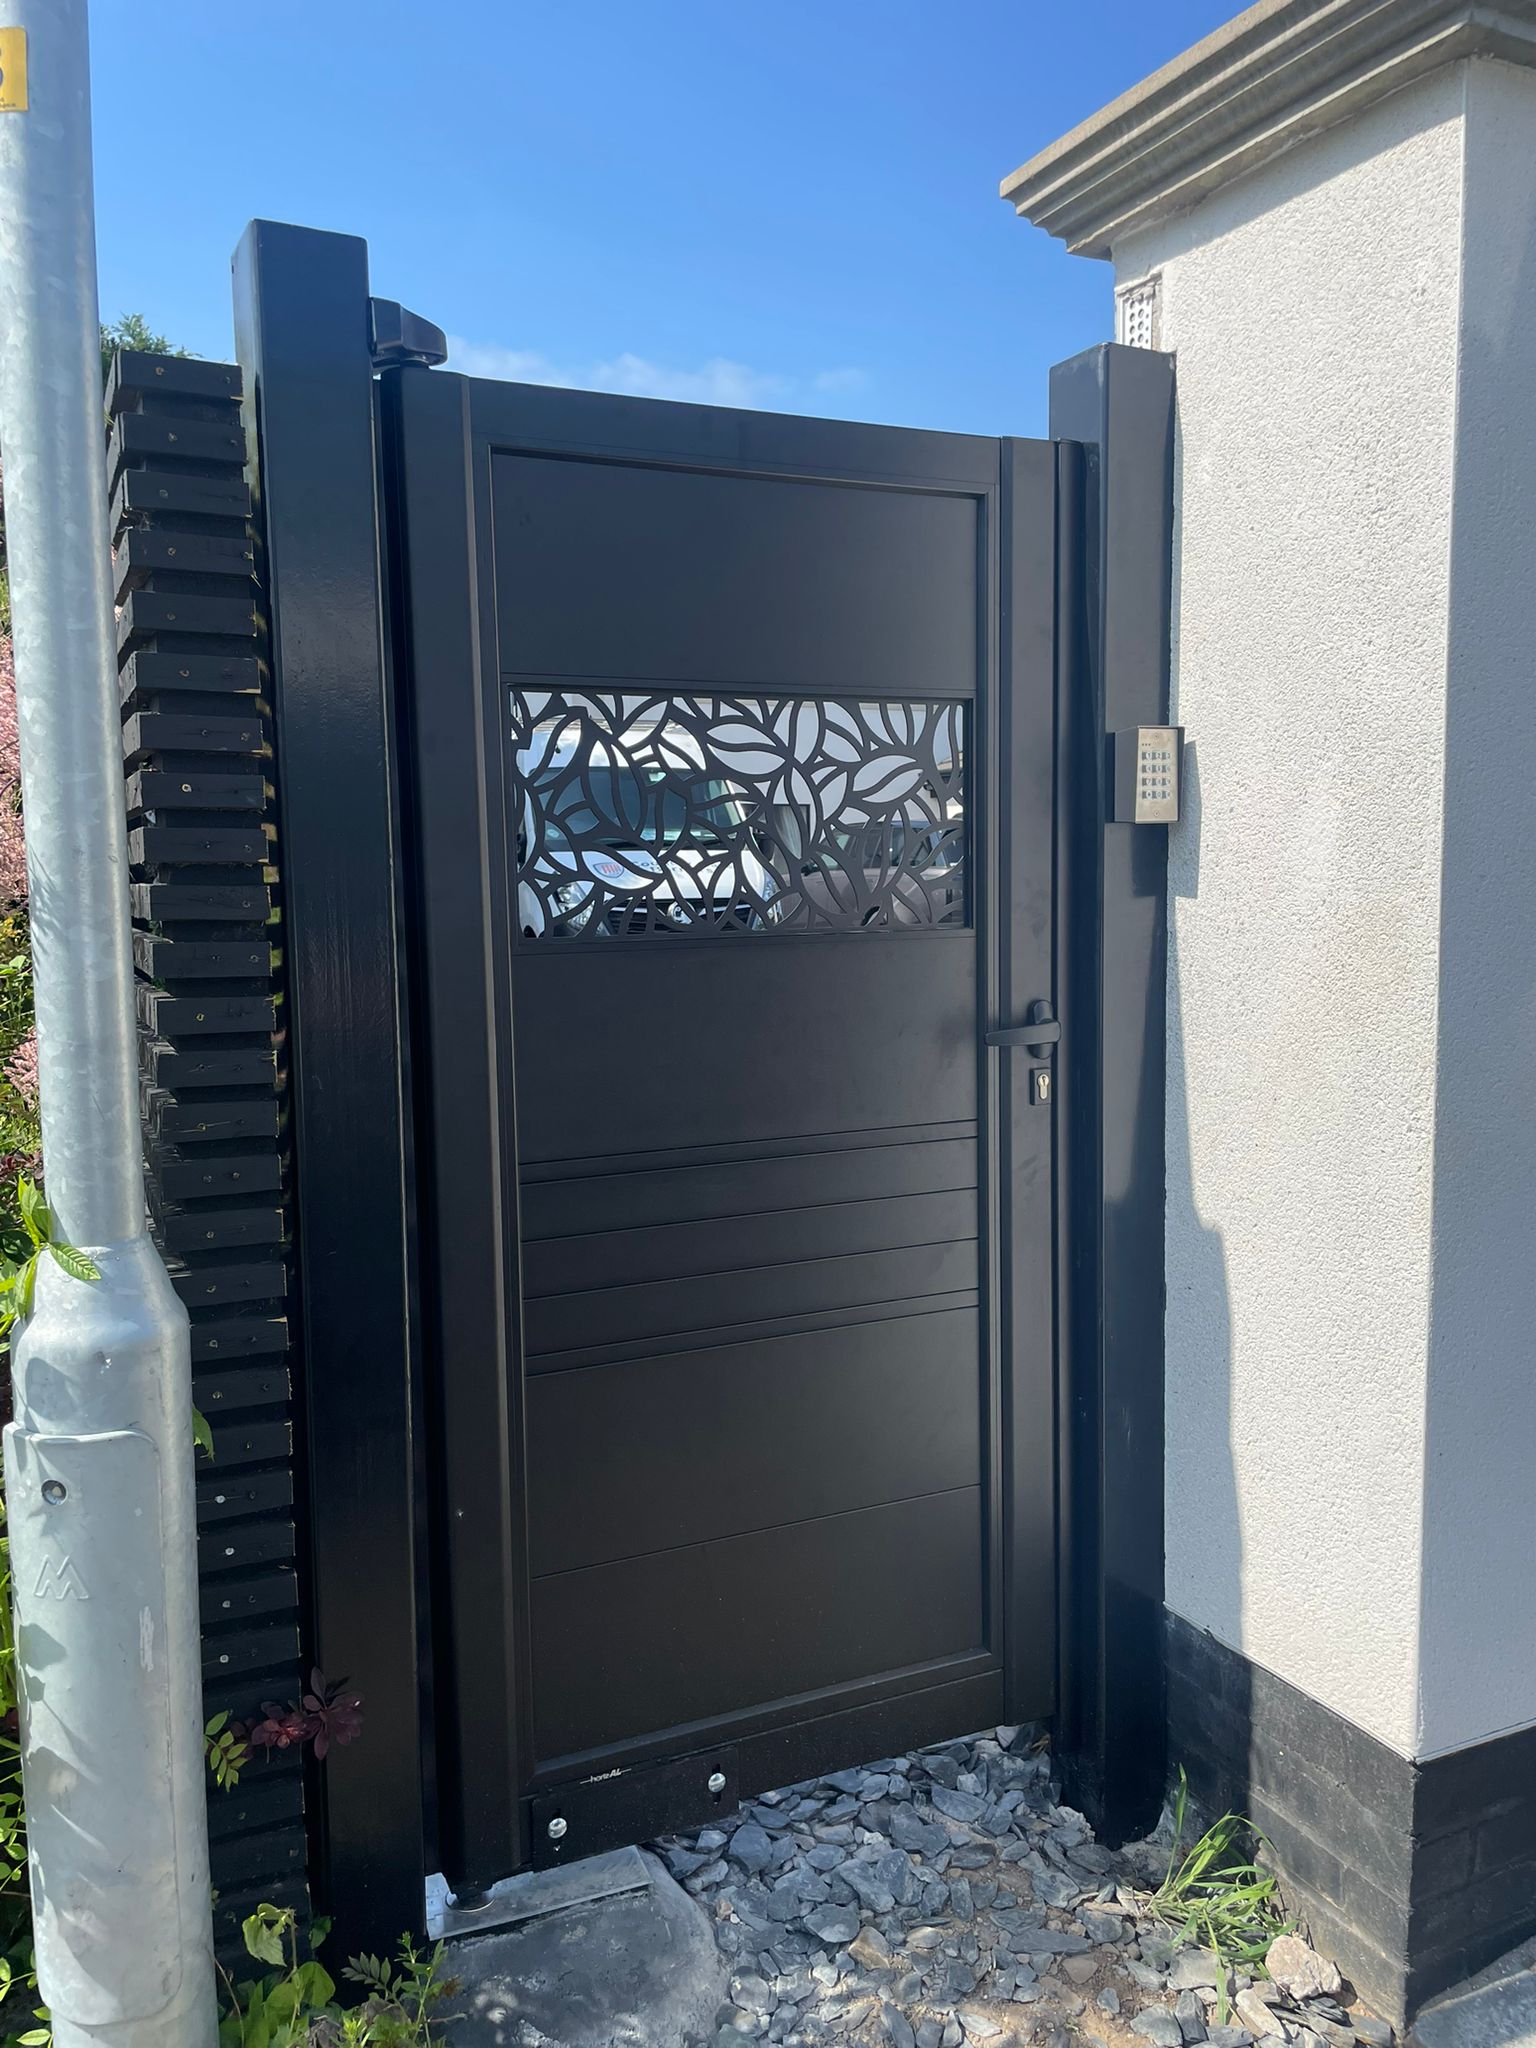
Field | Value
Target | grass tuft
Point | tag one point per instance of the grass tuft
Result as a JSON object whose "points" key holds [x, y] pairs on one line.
{"points": [[1215, 1896]]}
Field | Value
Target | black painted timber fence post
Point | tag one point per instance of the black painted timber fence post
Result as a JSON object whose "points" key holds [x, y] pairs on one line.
{"points": [[1116, 405], [201, 823], [303, 339]]}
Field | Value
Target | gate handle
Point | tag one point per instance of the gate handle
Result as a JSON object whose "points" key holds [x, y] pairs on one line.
{"points": [[1037, 1036]]}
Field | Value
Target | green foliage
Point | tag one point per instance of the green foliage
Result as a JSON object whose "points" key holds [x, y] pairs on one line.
{"points": [[17, 1974], [1214, 1894], [20, 1136], [226, 1750], [292, 2004], [18, 1278], [132, 330]]}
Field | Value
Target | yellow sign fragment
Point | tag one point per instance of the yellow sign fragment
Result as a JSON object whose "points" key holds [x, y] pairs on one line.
{"points": [[13, 71]]}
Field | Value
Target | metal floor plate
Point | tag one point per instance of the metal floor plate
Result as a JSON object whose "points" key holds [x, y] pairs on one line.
{"points": [[537, 1892]]}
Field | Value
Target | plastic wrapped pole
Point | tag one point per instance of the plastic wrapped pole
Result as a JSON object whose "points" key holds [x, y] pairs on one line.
{"points": [[99, 1479]]}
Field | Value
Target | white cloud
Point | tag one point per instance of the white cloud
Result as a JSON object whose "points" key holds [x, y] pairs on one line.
{"points": [[838, 380], [719, 381]]}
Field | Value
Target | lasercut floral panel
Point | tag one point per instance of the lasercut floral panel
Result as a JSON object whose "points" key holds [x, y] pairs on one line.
{"points": [[642, 815]]}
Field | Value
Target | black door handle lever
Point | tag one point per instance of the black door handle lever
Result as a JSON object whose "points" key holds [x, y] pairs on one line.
{"points": [[1037, 1036]]}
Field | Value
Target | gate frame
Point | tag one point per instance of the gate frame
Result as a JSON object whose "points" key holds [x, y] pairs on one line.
{"points": [[436, 432], [305, 347]]}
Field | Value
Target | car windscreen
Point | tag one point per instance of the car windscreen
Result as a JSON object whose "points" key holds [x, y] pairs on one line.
{"points": [[618, 807]]}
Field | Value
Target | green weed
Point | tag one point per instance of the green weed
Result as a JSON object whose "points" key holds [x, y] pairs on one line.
{"points": [[1215, 1895]]}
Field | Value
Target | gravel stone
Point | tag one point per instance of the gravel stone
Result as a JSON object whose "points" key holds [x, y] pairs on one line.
{"points": [[941, 1900], [750, 1847], [1300, 1971], [1053, 1941], [1256, 2015], [961, 1806], [1190, 2014], [894, 1870], [752, 1993], [1192, 1967], [908, 1831], [1101, 1927], [1159, 2027], [862, 1879], [1328, 2031], [835, 1925], [871, 1951]]}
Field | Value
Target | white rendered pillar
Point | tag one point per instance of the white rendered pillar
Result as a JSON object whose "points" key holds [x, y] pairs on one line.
{"points": [[1328, 214]]}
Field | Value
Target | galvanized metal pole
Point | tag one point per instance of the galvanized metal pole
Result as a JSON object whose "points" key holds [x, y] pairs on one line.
{"points": [[99, 1481]]}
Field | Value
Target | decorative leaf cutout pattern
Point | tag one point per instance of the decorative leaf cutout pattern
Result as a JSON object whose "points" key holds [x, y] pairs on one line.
{"points": [[668, 813]]}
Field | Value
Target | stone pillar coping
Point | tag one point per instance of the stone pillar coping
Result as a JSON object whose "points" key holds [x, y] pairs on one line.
{"points": [[1280, 72]]}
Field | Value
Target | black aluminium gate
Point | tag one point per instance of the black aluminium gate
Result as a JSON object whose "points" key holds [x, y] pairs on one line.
{"points": [[717, 1360], [733, 741]]}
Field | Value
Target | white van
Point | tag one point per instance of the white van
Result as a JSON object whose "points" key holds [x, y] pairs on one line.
{"points": [[648, 834], [636, 842]]}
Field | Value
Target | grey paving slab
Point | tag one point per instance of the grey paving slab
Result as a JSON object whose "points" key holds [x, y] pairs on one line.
{"points": [[631, 1969], [1497, 2009]]}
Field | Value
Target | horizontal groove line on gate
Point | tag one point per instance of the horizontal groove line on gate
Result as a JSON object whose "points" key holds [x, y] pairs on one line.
{"points": [[644, 946], [707, 1629], [591, 1205], [555, 1323], [833, 1701], [688, 1447], [597, 1357], [747, 1240], [806, 1144], [630, 686], [872, 1507], [772, 1266]]}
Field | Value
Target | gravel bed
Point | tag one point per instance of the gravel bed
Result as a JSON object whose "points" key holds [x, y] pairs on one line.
{"points": [[946, 1898]]}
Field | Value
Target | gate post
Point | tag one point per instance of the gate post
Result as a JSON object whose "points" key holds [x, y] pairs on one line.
{"points": [[303, 342], [1117, 404]]}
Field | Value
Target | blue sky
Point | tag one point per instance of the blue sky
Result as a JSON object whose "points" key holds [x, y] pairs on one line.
{"points": [[790, 204]]}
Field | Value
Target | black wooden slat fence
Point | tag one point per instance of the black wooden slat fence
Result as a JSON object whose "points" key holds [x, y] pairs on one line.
{"points": [[207, 947]]}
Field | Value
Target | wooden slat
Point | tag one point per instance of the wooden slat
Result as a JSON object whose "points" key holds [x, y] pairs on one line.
{"points": [[196, 742]]}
